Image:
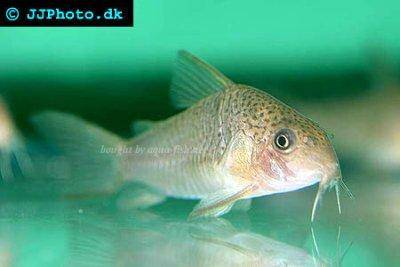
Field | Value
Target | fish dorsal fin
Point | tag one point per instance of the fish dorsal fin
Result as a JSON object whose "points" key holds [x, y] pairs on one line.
{"points": [[140, 126], [194, 79]]}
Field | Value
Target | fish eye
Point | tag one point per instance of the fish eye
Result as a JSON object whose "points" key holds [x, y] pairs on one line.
{"points": [[284, 139]]}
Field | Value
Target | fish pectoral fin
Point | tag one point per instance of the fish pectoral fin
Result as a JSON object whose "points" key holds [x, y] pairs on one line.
{"points": [[220, 202], [194, 79], [141, 126], [236, 159]]}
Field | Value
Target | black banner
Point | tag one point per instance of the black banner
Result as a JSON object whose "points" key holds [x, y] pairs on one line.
{"points": [[53, 13]]}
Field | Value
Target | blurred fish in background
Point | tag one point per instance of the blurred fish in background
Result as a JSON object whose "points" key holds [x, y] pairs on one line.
{"points": [[5, 254], [365, 127], [14, 158]]}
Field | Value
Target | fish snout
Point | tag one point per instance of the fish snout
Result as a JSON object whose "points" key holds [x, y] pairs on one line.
{"points": [[332, 175], [331, 169]]}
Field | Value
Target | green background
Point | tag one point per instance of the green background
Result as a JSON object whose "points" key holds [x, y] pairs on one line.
{"points": [[309, 48]]}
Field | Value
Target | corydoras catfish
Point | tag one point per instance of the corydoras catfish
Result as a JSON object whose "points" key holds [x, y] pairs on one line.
{"points": [[232, 142]]}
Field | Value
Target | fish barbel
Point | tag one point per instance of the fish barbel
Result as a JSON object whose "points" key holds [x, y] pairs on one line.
{"points": [[233, 142]]}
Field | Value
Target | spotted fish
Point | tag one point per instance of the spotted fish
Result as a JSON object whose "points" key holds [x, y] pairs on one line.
{"points": [[232, 142]]}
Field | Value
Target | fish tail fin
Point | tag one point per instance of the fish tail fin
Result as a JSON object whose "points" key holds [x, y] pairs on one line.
{"points": [[85, 166]]}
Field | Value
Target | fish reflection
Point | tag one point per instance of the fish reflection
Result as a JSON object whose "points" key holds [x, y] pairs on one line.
{"points": [[148, 240]]}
